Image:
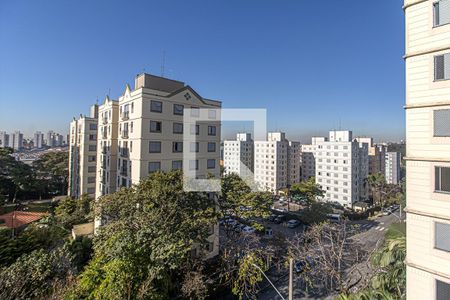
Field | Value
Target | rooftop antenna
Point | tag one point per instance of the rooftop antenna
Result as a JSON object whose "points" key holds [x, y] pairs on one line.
{"points": [[163, 62]]}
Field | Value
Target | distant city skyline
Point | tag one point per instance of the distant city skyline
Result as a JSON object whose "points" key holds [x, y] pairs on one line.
{"points": [[346, 73]]}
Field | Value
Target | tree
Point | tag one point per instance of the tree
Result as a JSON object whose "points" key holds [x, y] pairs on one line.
{"points": [[72, 211], [316, 213], [307, 190], [382, 191], [331, 258], [52, 172], [149, 236]]}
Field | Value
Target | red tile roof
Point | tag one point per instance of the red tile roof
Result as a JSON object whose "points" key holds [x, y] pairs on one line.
{"points": [[17, 219]]}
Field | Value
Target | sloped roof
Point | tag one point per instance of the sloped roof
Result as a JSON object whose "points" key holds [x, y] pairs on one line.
{"points": [[17, 219]]}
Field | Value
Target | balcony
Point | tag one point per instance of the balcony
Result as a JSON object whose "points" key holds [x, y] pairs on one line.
{"points": [[104, 150], [124, 172], [103, 164], [125, 115], [105, 120], [124, 152], [124, 134], [104, 134]]}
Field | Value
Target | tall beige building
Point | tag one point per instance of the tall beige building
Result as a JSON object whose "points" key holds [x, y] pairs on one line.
{"points": [[428, 148], [377, 155], [107, 150], [277, 162], [308, 158], [83, 155]]}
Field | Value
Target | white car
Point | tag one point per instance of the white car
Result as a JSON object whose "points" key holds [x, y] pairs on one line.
{"points": [[248, 229]]}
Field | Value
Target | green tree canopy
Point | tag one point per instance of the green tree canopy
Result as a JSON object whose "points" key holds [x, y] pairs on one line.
{"points": [[307, 190]]}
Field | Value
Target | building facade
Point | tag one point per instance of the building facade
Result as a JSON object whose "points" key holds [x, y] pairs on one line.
{"points": [[277, 162], [238, 155], [4, 139], [38, 140], [377, 155], [427, 109], [83, 156], [308, 158], [17, 140], [107, 147], [392, 169], [342, 166]]}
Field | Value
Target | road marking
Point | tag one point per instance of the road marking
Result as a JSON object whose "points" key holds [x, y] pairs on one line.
{"points": [[381, 223], [377, 228]]}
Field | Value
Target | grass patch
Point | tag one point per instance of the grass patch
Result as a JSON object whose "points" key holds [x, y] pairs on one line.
{"points": [[396, 230]]}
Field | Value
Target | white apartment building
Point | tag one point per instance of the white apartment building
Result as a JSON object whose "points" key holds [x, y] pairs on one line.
{"points": [[428, 148], [107, 147], [377, 155], [392, 169], [17, 140], [4, 139], [83, 156], [342, 166], [238, 155], [308, 158], [277, 162], [38, 139]]}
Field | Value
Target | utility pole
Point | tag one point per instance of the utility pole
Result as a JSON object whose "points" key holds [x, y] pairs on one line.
{"points": [[291, 275]]}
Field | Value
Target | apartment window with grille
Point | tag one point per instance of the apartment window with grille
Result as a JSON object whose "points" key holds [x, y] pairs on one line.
{"points": [[92, 158], [92, 126], [211, 130], [195, 129], [211, 147], [193, 165], [194, 147], [92, 147], [442, 67], [154, 166], [91, 169], [91, 180], [177, 165], [441, 126], [155, 126], [442, 179], [178, 128], [441, 13], [154, 147], [178, 109], [91, 190], [177, 147], [211, 163], [442, 236], [442, 290], [156, 106]]}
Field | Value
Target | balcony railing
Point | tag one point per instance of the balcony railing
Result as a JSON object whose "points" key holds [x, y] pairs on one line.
{"points": [[125, 115], [125, 134]]}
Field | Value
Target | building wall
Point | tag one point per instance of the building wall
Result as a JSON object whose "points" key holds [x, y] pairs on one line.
{"points": [[425, 264], [238, 155], [392, 169]]}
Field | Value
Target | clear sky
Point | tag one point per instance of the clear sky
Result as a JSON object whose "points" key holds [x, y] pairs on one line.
{"points": [[315, 65]]}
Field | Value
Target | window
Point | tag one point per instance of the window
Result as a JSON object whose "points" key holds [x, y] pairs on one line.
{"points": [[92, 147], [177, 147], [154, 147], [155, 126], [91, 179], [195, 111], [212, 114], [211, 130], [194, 147], [178, 109], [177, 165], [177, 128], [92, 137], [211, 163], [193, 165], [91, 190], [442, 179], [442, 290], [91, 158], [154, 166], [155, 106], [211, 147], [92, 126], [91, 169], [442, 67], [442, 236], [441, 10], [195, 129], [441, 121]]}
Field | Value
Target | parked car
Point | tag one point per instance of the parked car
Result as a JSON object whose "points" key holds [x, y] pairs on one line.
{"points": [[279, 219], [293, 223], [248, 229], [230, 222], [334, 218], [238, 227], [272, 218], [299, 266]]}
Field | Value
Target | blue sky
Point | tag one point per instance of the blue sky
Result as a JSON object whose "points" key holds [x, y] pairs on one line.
{"points": [[312, 64]]}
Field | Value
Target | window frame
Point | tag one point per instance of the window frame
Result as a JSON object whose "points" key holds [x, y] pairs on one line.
{"points": [[156, 142], [156, 110], [160, 126], [154, 162], [176, 112]]}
